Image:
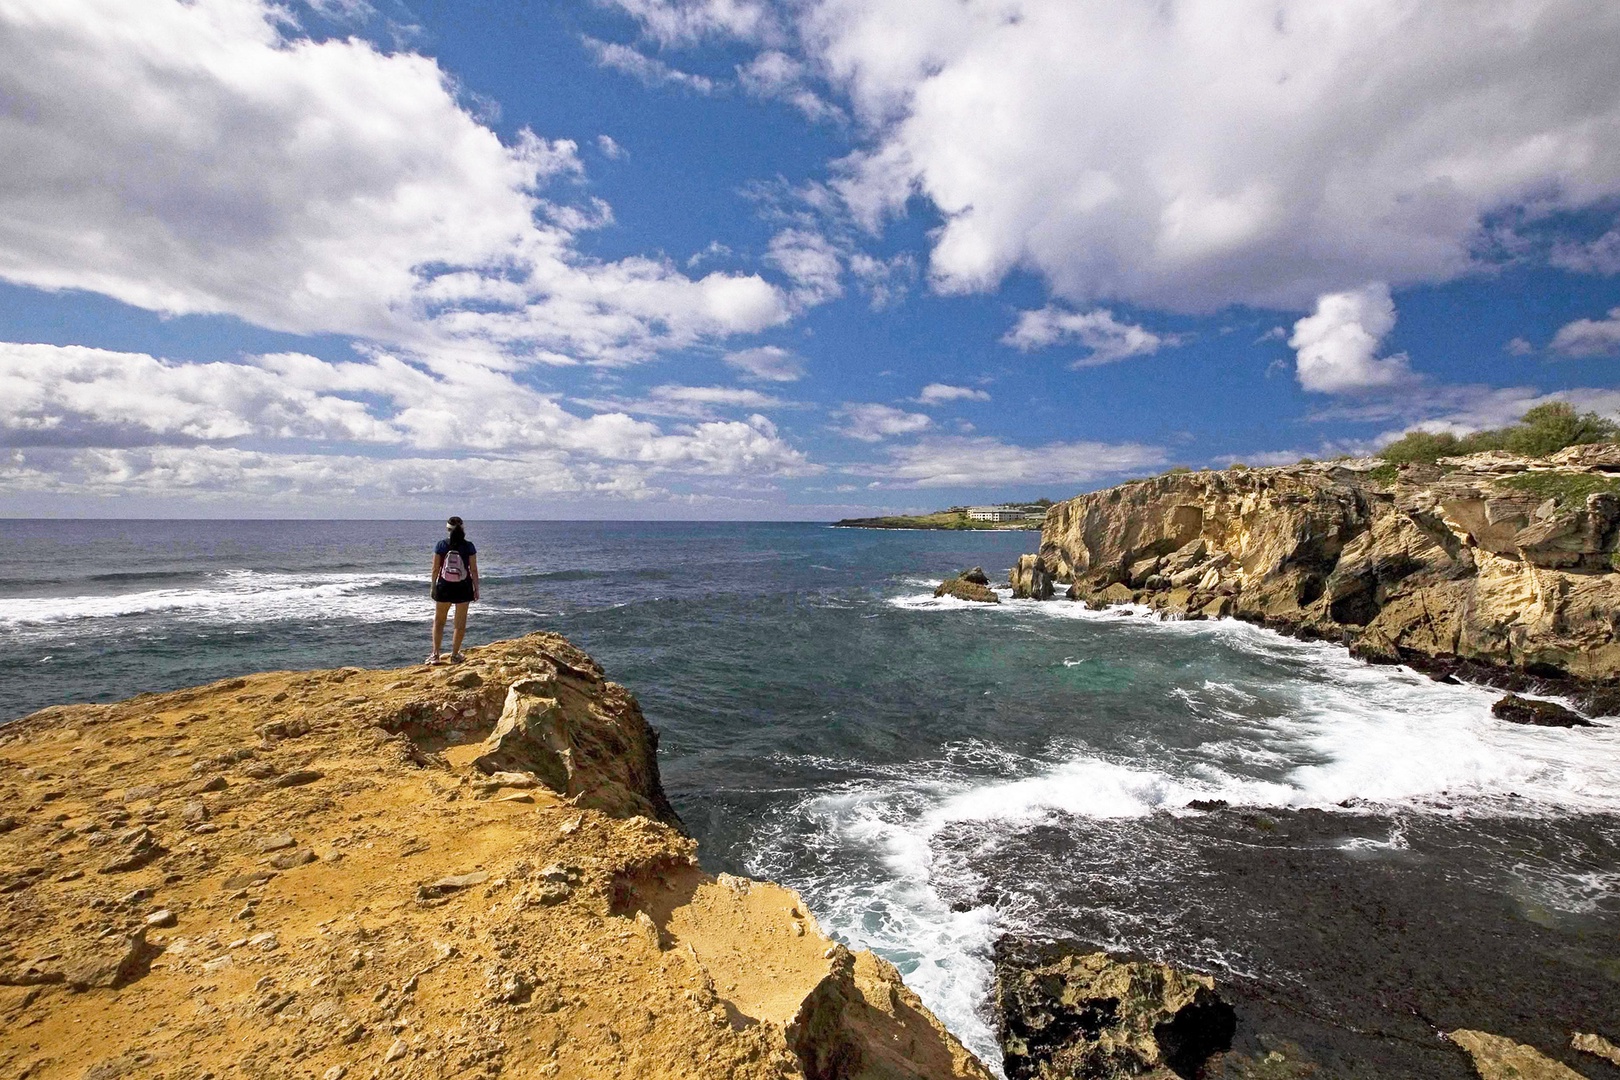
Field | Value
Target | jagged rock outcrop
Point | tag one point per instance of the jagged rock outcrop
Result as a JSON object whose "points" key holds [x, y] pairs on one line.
{"points": [[1596, 1045], [1030, 580], [1497, 563], [1067, 1014], [1497, 1058], [463, 871], [971, 584], [607, 763]]}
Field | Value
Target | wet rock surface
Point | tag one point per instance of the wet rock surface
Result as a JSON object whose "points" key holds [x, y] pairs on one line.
{"points": [[1063, 1011], [971, 584], [1537, 713], [1400, 944]]}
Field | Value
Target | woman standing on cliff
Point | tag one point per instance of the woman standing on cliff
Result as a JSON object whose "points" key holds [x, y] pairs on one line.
{"points": [[455, 581]]}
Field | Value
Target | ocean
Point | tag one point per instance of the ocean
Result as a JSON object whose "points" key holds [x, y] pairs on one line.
{"points": [[1390, 861]]}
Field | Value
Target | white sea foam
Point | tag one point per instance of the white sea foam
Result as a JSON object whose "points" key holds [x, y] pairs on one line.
{"points": [[896, 911], [1366, 737], [1356, 732], [1395, 840], [235, 596]]}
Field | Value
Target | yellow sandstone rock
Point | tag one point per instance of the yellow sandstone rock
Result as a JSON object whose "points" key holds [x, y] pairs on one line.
{"points": [[154, 923], [1492, 560]]}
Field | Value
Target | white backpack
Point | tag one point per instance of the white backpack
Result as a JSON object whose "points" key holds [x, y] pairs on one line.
{"points": [[454, 568]]}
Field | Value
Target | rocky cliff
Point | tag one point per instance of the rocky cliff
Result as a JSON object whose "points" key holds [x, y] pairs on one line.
{"points": [[432, 872], [1498, 564]]}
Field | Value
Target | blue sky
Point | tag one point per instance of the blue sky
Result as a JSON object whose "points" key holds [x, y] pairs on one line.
{"points": [[745, 259]]}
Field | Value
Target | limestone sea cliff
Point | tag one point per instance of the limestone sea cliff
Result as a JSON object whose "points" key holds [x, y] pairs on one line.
{"points": [[468, 871], [1497, 566]]}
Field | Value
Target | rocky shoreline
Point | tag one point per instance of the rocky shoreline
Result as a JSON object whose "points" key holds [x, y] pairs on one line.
{"points": [[473, 871], [430, 872], [1493, 567], [1069, 1012]]}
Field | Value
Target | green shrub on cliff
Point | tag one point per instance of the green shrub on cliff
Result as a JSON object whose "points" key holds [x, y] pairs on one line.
{"points": [[1547, 429], [1567, 488], [1422, 446], [1543, 430]]}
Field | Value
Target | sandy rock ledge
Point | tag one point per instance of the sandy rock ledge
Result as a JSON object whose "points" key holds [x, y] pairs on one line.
{"points": [[469, 871]]}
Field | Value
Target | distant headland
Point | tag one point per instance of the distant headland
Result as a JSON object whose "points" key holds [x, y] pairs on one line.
{"points": [[1005, 517]]}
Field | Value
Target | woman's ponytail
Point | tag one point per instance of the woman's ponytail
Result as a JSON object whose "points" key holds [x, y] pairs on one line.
{"points": [[458, 535]]}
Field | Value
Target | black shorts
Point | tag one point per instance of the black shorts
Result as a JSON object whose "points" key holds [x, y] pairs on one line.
{"points": [[453, 592]]}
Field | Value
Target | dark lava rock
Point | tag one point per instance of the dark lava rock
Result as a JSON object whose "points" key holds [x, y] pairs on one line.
{"points": [[1600, 701], [1207, 805], [975, 575], [1066, 1013], [964, 589], [1518, 710]]}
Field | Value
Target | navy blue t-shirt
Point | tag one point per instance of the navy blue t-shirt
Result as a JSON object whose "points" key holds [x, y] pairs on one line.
{"points": [[465, 547]]}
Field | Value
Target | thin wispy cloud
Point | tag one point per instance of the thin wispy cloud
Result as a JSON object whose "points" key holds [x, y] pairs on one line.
{"points": [[941, 393], [1108, 339], [768, 363], [649, 70], [959, 461], [873, 422]]}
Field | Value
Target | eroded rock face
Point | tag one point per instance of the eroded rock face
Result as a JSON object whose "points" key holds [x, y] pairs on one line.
{"points": [[1469, 562], [1030, 580], [1068, 1013], [582, 737]]}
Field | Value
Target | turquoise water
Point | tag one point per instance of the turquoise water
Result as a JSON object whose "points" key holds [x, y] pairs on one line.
{"points": [[932, 774]]}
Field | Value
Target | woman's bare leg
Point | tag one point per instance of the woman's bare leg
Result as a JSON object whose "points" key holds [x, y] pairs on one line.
{"points": [[461, 629], [439, 613]]}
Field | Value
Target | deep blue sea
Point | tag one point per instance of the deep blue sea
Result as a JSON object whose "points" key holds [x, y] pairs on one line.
{"points": [[930, 774]]}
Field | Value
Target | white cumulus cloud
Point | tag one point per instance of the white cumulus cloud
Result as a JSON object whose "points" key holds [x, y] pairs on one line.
{"points": [[1589, 337], [1191, 155], [1337, 345], [811, 262], [67, 408], [206, 157]]}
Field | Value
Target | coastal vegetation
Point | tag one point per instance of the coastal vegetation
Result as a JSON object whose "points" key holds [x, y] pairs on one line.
{"points": [[1545, 429], [1561, 486]]}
